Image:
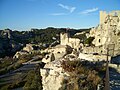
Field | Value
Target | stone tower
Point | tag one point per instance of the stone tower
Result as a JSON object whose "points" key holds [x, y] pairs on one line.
{"points": [[103, 15], [64, 38]]}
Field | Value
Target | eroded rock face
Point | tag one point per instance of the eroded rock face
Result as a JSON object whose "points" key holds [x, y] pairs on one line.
{"points": [[106, 34], [7, 33], [8, 43], [51, 80], [28, 48], [48, 58], [52, 75]]}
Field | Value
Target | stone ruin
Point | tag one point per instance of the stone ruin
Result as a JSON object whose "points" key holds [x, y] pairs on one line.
{"points": [[106, 34]]}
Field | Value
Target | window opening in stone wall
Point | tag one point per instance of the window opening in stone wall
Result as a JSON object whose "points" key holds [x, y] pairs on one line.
{"points": [[58, 52], [99, 40]]}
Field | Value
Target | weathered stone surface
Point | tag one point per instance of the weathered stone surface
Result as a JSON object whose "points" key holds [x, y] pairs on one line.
{"points": [[66, 40], [19, 53], [48, 58], [8, 45], [52, 75], [56, 53], [106, 34], [91, 57], [28, 48]]}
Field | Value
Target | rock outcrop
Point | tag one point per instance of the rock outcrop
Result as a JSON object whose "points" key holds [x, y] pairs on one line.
{"points": [[28, 48], [52, 75]]}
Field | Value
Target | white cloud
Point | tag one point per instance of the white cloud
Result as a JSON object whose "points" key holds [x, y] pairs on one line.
{"points": [[57, 14], [89, 11], [70, 9]]}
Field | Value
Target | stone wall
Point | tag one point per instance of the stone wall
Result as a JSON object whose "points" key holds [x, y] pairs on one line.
{"points": [[103, 15], [106, 34], [93, 58], [92, 50], [66, 40]]}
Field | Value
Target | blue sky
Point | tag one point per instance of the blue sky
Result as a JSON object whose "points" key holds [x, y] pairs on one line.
{"points": [[26, 14]]}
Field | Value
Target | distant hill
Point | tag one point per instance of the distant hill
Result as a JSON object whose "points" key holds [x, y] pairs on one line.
{"points": [[12, 41]]}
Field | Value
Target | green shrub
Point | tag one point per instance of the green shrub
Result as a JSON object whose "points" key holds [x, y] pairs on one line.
{"points": [[17, 65], [89, 40], [6, 87], [81, 78], [33, 81]]}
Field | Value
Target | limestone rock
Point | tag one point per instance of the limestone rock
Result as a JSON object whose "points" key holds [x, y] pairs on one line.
{"points": [[66, 40], [28, 48], [106, 34], [93, 58], [19, 53], [48, 58], [52, 75]]}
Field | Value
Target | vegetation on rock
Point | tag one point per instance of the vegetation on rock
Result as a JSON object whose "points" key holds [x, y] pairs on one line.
{"points": [[33, 80], [19, 39], [89, 40], [82, 77]]}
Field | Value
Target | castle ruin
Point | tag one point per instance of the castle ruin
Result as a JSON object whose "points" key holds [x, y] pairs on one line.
{"points": [[66, 40], [106, 34]]}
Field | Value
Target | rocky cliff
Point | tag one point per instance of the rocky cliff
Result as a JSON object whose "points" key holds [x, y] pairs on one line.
{"points": [[8, 45], [12, 41], [52, 75]]}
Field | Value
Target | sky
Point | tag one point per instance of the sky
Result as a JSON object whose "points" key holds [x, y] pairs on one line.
{"points": [[27, 14]]}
